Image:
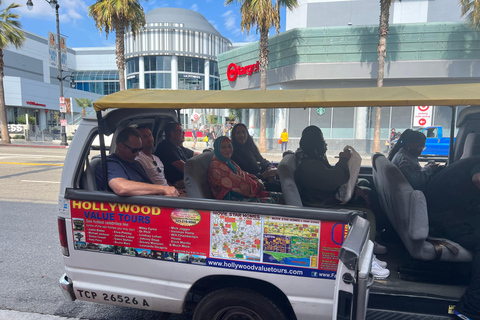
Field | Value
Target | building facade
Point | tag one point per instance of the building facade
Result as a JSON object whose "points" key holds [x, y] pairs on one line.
{"points": [[434, 47], [177, 50]]}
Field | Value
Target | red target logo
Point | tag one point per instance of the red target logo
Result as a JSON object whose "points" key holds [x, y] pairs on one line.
{"points": [[423, 108], [422, 122], [232, 72]]}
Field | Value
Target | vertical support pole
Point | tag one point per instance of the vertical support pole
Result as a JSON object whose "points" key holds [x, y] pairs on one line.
{"points": [[451, 152], [102, 150]]}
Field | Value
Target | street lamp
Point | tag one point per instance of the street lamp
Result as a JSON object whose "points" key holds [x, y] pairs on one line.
{"points": [[54, 4]]}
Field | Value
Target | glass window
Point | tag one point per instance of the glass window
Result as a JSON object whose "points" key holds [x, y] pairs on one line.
{"points": [[322, 118], [343, 123], [133, 82], [132, 65], [188, 65], [181, 63], [215, 84], [214, 68]]}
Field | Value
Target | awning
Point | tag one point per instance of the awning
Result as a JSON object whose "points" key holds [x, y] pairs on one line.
{"points": [[446, 95]]}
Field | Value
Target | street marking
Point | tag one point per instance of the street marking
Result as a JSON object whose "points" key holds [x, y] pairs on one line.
{"points": [[40, 181], [29, 155], [35, 164]]}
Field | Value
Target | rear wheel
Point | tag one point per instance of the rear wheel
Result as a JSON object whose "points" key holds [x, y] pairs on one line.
{"points": [[237, 304]]}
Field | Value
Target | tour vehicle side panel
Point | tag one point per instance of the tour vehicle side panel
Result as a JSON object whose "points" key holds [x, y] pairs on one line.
{"points": [[159, 272]]}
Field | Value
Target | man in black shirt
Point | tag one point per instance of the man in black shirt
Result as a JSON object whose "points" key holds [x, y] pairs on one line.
{"points": [[173, 154]]}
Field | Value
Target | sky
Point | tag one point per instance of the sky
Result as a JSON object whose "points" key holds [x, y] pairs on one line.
{"points": [[80, 31]]}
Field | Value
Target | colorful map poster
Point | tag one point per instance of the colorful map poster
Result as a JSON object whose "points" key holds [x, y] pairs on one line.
{"points": [[236, 236], [291, 241]]}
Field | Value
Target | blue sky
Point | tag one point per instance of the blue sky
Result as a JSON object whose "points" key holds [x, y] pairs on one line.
{"points": [[81, 32]]}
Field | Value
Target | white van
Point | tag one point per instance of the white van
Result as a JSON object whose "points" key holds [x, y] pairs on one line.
{"points": [[156, 252]]}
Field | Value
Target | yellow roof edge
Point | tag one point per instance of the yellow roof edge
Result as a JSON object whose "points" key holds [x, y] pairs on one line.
{"points": [[453, 94]]}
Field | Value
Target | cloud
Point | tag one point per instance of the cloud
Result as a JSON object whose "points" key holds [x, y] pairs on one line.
{"points": [[69, 11], [252, 37], [229, 18], [194, 7]]}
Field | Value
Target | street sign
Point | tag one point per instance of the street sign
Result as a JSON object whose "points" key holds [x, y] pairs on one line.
{"points": [[422, 116], [63, 122], [63, 105]]}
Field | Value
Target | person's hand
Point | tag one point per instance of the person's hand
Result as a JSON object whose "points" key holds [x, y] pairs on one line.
{"points": [[434, 166], [269, 173], [171, 192], [358, 192], [261, 186], [476, 180], [345, 154]]}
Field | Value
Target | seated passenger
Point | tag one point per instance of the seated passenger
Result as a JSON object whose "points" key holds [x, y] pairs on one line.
{"points": [[453, 202], [150, 162], [126, 177], [318, 183], [173, 154], [405, 155], [249, 159], [229, 182]]}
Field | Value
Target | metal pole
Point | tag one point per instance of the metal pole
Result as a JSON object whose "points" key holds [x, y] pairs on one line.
{"points": [[60, 78], [451, 153]]}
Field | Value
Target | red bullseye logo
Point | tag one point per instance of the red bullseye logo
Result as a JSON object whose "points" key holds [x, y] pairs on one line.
{"points": [[232, 72], [422, 121], [423, 108]]}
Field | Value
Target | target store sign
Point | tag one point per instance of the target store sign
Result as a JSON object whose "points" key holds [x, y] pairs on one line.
{"points": [[422, 116], [233, 70]]}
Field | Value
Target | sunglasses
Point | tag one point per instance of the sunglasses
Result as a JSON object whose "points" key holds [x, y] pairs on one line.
{"points": [[156, 165], [133, 150]]}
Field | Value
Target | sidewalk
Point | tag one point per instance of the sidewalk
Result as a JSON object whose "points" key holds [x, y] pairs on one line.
{"points": [[35, 144]]}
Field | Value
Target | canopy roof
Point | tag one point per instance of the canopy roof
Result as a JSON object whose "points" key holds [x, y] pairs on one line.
{"points": [[454, 95]]}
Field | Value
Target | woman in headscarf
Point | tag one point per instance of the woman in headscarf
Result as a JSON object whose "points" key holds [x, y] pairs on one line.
{"points": [[229, 182], [318, 183], [249, 159], [405, 155]]}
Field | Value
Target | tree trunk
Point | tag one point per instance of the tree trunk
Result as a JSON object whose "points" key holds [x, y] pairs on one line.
{"points": [[3, 108], [83, 112], [382, 49], [120, 53], [263, 57]]}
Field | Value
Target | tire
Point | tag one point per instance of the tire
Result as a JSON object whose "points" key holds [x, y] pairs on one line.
{"points": [[237, 304]]}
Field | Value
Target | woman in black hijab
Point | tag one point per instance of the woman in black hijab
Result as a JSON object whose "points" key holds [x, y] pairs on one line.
{"points": [[249, 159]]}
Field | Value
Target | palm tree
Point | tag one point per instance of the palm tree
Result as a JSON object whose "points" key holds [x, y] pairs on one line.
{"points": [[471, 9], [118, 16], [83, 103], [264, 14], [382, 51], [10, 33]]}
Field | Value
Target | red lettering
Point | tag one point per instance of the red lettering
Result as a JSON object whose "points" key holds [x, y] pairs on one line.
{"points": [[233, 71]]}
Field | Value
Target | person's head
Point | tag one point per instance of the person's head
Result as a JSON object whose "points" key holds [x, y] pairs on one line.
{"points": [[147, 138], [223, 148], [174, 133], [240, 134], [393, 129], [410, 140], [129, 144], [312, 142], [285, 130]]}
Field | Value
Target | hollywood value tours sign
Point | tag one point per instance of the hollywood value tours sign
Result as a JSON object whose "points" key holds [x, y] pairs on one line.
{"points": [[234, 70]]}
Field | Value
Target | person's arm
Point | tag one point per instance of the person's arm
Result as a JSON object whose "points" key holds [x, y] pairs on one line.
{"points": [[124, 187], [317, 176], [240, 183], [415, 175], [179, 164]]}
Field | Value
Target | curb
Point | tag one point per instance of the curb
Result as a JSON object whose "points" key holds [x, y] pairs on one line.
{"points": [[31, 145]]}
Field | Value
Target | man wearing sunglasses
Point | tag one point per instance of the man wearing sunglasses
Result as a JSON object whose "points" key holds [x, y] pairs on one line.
{"points": [[173, 154], [126, 176]]}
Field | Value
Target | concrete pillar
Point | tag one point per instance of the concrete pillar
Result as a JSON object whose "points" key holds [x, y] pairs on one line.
{"points": [[206, 81], [141, 73], [174, 67]]}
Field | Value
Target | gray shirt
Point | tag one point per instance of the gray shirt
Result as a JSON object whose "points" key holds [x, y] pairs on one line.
{"points": [[417, 176]]}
